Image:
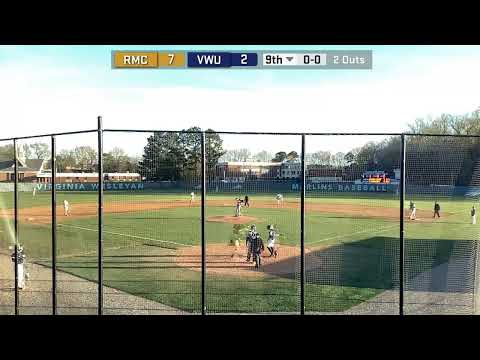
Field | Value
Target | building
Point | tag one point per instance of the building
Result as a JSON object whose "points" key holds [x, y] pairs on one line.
{"points": [[46, 177], [290, 170], [28, 170], [239, 171]]}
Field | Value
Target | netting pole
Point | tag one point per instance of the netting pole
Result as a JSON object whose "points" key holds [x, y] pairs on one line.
{"points": [[100, 216], [402, 229], [302, 231], [54, 225], [15, 205], [204, 308]]}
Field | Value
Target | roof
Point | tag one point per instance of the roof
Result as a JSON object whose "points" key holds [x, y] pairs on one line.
{"points": [[32, 165]]}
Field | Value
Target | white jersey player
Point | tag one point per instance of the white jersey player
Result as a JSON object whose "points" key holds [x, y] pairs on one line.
{"points": [[192, 197], [473, 213], [21, 275], [272, 239], [34, 192], [238, 207], [413, 215], [66, 208], [279, 198]]}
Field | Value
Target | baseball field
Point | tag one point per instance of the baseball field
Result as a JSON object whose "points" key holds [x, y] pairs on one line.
{"points": [[152, 249]]}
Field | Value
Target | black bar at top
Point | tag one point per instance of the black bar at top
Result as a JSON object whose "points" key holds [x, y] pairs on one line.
{"points": [[302, 232], [100, 216], [204, 307], [402, 229], [15, 202], [54, 225]]}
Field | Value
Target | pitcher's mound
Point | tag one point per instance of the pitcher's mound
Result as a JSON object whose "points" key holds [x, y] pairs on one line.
{"points": [[233, 219]]}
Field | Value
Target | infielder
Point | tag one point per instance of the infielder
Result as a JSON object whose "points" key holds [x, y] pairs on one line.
{"points": [[473, 213], [192, 197], [279, 198], [413, 208], [238, 207], [66, 208], [34, 191], [236, 234], [272, 237], [436, 210], [20, 267]]}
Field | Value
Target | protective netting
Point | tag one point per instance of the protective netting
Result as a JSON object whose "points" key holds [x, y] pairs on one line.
{"points": [[151, 221], [352, 224], [441, 241], [77, 224], [255, 182]]}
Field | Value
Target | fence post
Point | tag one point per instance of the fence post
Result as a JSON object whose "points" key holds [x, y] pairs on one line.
{"points": [[15, 202], [204, 307], [100, 216], [402, 229], [302, 231], [54, 225]]}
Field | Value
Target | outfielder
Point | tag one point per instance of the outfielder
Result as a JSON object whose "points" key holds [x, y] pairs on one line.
{"points": [[66, 208], [20, 267], [192, 197], [272, 237], [245, 201], [34, 191], [436, 210], [473, 213], [279, 198], [413, 208]]}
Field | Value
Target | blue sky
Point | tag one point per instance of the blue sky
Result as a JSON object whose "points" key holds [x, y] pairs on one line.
{"points": [[63, 88]]}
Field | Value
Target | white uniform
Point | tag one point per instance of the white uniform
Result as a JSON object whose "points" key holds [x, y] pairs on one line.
{"points": [[66, 207], [474, 216], [237, 208], [20, 268], [34, 191], [271, 238], [192, 197], [279, 198], [413, 215]]}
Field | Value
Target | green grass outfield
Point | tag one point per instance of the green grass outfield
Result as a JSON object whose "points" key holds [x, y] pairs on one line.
{"points": [[360, 262]]}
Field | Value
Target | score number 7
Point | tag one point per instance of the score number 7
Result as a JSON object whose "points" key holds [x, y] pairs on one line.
{"points": [[171, 58]]}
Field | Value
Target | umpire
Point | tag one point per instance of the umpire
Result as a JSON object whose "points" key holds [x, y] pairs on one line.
{"points": [[436, 210], [257, 249]]}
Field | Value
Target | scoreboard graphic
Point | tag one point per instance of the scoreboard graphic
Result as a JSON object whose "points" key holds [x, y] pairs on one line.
{"points": [[328, 59]]}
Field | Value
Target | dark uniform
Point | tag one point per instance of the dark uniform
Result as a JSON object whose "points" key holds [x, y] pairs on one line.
{"points": [[257, 249], [251, 235], [436, 210], [245, 201]]}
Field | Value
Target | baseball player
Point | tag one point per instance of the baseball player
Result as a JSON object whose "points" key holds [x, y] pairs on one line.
{"points": [[436, 210], [257, 249], [34, 191], [252, 234], [245, 201], [279, 198], [20, 266], [413, 208], [66, 207], [192, 197], [236, 233], [238, 207], [473, 213], [272, 237]]}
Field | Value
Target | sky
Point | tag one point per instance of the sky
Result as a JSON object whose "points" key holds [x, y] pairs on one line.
{"points": [[45, 89]]}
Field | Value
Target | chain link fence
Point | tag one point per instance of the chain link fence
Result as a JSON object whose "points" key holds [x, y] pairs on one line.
{"points": [[166, 222]]}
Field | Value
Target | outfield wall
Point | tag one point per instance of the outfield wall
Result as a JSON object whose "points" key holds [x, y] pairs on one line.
{"points": [[254, 186]]}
